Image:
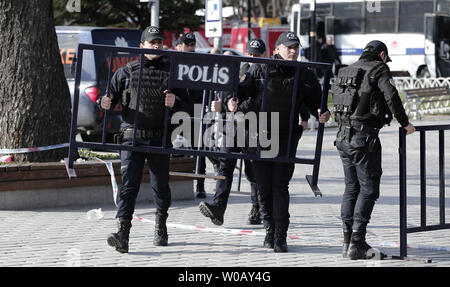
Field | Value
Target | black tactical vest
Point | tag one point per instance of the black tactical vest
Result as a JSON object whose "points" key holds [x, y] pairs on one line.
{"points": [[356, 98], [152, 98], [278, 97]]}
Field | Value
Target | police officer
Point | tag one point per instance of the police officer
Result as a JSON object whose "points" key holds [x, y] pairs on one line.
{"points": [[154, 98], [186, 43], [365, 98], [215, 211], [330, 54], [273, 177]]}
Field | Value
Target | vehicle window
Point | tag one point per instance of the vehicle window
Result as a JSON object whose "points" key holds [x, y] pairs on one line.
{"points": [[443, 33], [305, 26], [68, 44], [114, 37], [411, 15], [383, 20], [304, 10], [349, 17], [295, 20], [429, 33], [443, 6], [322, 9]]}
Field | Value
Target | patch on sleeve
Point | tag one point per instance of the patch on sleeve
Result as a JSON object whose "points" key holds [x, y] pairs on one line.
{"points": [[243, 78], [392, 82]]}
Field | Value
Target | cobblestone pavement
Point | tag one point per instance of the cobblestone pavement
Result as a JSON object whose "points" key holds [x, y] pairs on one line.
{"points": [[65, 237]]}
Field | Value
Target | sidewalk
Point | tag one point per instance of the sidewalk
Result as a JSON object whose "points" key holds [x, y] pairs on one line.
{"points": [[65, 237]]}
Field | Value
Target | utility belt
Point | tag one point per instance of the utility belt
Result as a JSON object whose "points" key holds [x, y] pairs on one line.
{"points": [[347, 131], [143, 134]]}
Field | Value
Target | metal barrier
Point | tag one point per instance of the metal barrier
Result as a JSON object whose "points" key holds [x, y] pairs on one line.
{"points": [[208, 61], [404, 230], [402, 83]]}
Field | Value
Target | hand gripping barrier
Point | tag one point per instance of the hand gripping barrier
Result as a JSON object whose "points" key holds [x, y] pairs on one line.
{"points": [[216, 63]]}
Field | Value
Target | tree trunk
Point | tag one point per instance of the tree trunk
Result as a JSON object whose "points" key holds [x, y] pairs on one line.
{"points": [[34, 96]]}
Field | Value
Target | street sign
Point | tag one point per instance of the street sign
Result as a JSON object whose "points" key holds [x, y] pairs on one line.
{"points": [[213, 18]]}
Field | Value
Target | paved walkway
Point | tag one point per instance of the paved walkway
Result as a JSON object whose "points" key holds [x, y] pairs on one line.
{"points": [[65, 237]]}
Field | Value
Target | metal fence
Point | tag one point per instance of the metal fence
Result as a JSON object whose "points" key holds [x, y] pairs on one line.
{"points": [[175, 80], [404, 229], [402, 83]]}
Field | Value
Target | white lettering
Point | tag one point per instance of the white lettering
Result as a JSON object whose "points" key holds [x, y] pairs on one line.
{"points": [[191, 73], [202, 73], [73, 6], [215, 70], [223, 76], [373, 6], [205, 75], [182, 70], [192, 277]]}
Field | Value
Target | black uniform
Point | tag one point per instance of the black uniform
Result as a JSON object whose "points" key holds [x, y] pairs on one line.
{"points": [[330, 55], [226, 169], [150, 126], [365, 98], [196, 97], [273, 177]]}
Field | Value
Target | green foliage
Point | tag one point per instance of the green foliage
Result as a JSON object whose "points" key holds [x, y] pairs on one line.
{"points": [[88, 155], [174, 15], [178, 14]]}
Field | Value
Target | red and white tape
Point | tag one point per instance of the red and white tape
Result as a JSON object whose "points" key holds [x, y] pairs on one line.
{"points": [[258, 233], [32, 149]]}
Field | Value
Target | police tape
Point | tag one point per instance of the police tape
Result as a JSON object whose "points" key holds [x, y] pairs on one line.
{"points": [[233, 231], [110, 168], [32, 149]]}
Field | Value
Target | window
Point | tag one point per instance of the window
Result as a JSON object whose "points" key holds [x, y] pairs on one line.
{"points": [[322, 9], [68, 44], [382, 21], [412, 15], [295, 22], [305, 26], [304, 10], [114, 37], [443, 6], [349, 17], [429, 33]]}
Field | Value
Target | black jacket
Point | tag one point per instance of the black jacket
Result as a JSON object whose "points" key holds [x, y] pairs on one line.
{"points": [[120, 82], [308, 97], [381, 78]]}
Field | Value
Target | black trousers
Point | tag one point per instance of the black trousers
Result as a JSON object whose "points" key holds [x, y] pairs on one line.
{"points": [[361, 159], [273, 180], [132, 164], [223, 186]]}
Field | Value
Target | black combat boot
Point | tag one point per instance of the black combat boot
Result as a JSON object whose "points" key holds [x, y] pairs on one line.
{"points": [[254, 217], [345, 246], [358, 246], [270, 237], [347, 228], [120, 239], [213, 211], [160, 238], [200, 191], [280, 244]]}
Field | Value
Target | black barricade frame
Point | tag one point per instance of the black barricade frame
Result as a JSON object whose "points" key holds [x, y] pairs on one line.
{"points": [[208, 61], [404, 229]]}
